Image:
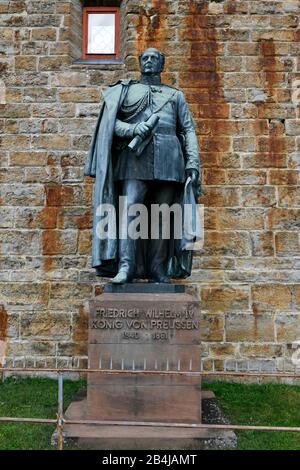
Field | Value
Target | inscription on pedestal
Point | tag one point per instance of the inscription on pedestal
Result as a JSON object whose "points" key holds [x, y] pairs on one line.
{"points": [[144, 332], [140, 323]]}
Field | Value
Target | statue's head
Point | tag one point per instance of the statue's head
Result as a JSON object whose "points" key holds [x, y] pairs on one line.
{"points": [[152, 61]]}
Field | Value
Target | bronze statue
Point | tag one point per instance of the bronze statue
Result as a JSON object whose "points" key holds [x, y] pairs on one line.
{"points": [[144, 147]]}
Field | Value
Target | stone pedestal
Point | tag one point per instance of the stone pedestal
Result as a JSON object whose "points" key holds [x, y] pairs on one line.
{"points": [[145, 327], [144, 331]]}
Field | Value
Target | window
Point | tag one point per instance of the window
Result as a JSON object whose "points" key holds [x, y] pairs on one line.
{"points": [[100, 33]]}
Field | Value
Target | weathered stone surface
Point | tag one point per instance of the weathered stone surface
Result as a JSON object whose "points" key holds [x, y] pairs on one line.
{"points": [[85, 95], [219, 197], [20, 242], [59, 241], [66, 294], [212, 327], [49, 141], [22, 194], [69, 79], [262, 243], [43, 34], [297, 296], [26, 63], [6, 217], [287, 328], [30, 348], [227, 244], [261, 350], [46, 324], [85, 242], [22, 293], [249, 327], [272, 297], [17, 142], [224, 299], [289, 196], [53, 63], [265, 160], [260, 197], [287, 243], [246, 177], [284, 177], [223, 350], [28, 158], [12, 175], [72, 349], [283, 219], [78, 217], [241, 219], [56, 110]]}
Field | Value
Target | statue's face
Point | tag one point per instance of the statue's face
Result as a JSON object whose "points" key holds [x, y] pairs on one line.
{"points": [[150, 62]]}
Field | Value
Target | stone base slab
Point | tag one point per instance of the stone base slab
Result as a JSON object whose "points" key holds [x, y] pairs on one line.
{"points": [[113, 437]]}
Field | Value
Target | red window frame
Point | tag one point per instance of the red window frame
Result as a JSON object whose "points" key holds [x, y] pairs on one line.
{"points": [[86, 11]]}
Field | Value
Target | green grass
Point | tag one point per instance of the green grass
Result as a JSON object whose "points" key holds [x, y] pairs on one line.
{"points": [[243, 404], [268, 404], [31, 398]]}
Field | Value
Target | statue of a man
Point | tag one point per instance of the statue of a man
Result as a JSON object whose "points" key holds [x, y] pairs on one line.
{"points": [[144, 147]]}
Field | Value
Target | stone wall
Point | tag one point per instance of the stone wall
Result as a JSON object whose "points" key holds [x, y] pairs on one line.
{"points": [[238, 64]]}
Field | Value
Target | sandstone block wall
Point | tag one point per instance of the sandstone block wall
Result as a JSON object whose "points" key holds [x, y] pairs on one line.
{"points": [[238, 64]]}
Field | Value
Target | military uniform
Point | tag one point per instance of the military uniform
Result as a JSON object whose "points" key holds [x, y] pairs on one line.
{"points": [[159, 169], [163, 158]]}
